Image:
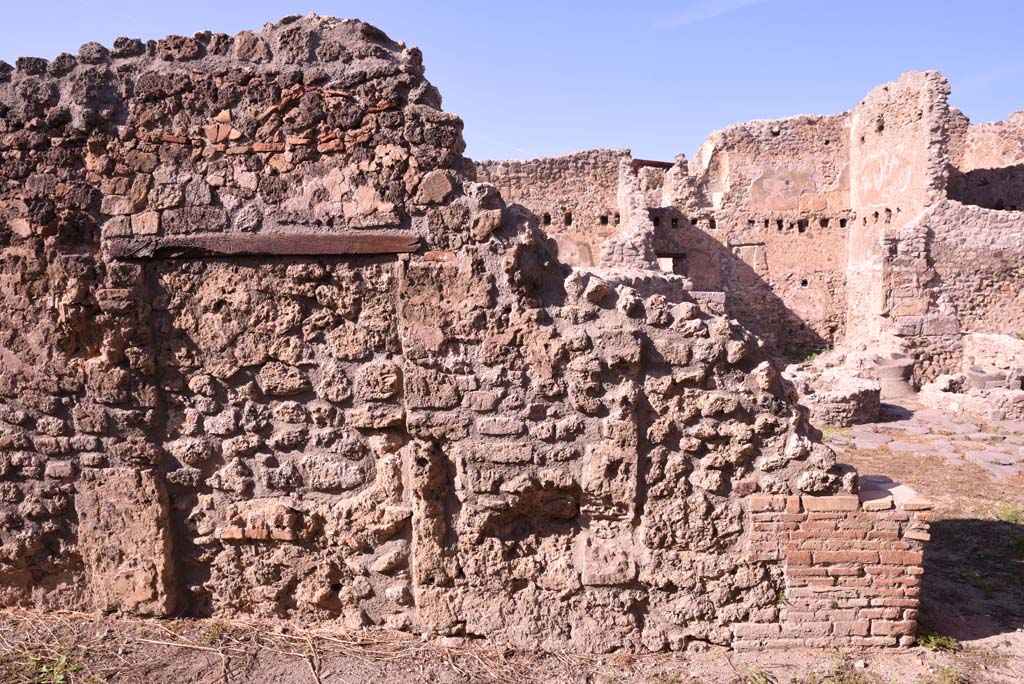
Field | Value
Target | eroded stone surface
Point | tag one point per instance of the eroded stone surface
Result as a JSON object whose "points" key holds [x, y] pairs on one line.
{"points": [[471, 439], [124, 537]]}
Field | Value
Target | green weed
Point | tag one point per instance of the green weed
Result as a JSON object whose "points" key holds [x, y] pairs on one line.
{"points": [[804, 354], [1011, 514], [214, 631], [756, 676], [937, 642], [47, 669], [948, 675]]}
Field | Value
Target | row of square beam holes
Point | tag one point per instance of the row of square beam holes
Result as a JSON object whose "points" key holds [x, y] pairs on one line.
{"points": [[567, 219], [801, 224]]}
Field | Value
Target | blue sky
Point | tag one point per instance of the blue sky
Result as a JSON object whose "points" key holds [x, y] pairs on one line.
{"points": [[543, 78]]}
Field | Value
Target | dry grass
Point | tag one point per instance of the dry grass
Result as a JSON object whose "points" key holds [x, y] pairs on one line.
{"points": [[959, 490], [74, 648], [78, 648]]}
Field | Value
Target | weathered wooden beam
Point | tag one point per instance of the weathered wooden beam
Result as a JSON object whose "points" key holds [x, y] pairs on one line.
{"points": [[261, 244], [638, 163]]}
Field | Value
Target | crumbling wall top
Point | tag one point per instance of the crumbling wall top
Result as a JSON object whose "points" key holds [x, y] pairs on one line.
{"points": [[900, 136], [312, 122], [797, 164]]}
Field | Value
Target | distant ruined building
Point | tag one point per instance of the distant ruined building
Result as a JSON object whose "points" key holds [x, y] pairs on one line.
{"points": [[271, 345], [892, 225]]}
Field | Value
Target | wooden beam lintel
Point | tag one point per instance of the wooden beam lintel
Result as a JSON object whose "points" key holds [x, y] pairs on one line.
{"points": [[260, 244], [639, 163]]}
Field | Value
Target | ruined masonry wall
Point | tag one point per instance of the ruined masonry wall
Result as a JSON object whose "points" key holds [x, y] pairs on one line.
{"points": [[797, 166], [762, 219], [988, 163], [787, 284], [853, 570], [955, 271], [572, 198], [779, 195], [127, 444], [831, 230], [898, 166], [268, 349]]}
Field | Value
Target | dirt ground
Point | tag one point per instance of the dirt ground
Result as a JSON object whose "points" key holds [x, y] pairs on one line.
{"points": [[972, 611]]}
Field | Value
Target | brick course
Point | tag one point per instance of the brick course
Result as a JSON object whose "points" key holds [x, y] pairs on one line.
{"points": [[841, 589]]}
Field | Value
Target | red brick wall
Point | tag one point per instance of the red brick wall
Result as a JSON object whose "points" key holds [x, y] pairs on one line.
{"points": [[852, 570]]}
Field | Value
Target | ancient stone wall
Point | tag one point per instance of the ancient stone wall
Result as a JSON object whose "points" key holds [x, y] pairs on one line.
{"points": [[836, 230], [899, 146], [149, 149], [995, 352], [800, 222], [823, 230], [787, 285], [898, 166], [988, 163], [955, 271], [781, 190], [771, 199], [788, 168], [762, 197], [573, 198], [268, 349]]}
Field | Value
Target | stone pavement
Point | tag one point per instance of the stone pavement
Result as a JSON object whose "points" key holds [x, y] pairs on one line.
{"points": [[995, 446]]}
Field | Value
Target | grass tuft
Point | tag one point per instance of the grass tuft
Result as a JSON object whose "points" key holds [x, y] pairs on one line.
{"points": [[755, 676], [947, 675], [48, 668], [937, 642], [1011, 514], [214, 632], [830, 433], [804, 354]]}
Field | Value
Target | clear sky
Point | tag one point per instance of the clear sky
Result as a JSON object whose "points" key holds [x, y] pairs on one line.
{"points": [[537, 78]]}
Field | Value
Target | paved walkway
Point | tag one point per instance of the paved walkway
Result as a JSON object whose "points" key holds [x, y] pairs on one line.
{"points": [[997, 447]]}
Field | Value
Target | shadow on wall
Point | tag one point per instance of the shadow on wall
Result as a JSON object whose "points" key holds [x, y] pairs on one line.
{"points": [[1000, 188], [715, 266], [712, 267], [190, 574], [549, 291], [973, 579]]}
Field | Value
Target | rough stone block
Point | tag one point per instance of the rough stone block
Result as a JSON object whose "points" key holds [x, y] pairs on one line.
{"points": [[124, 538], [940, 325], [146, 223], [500, 426]]}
